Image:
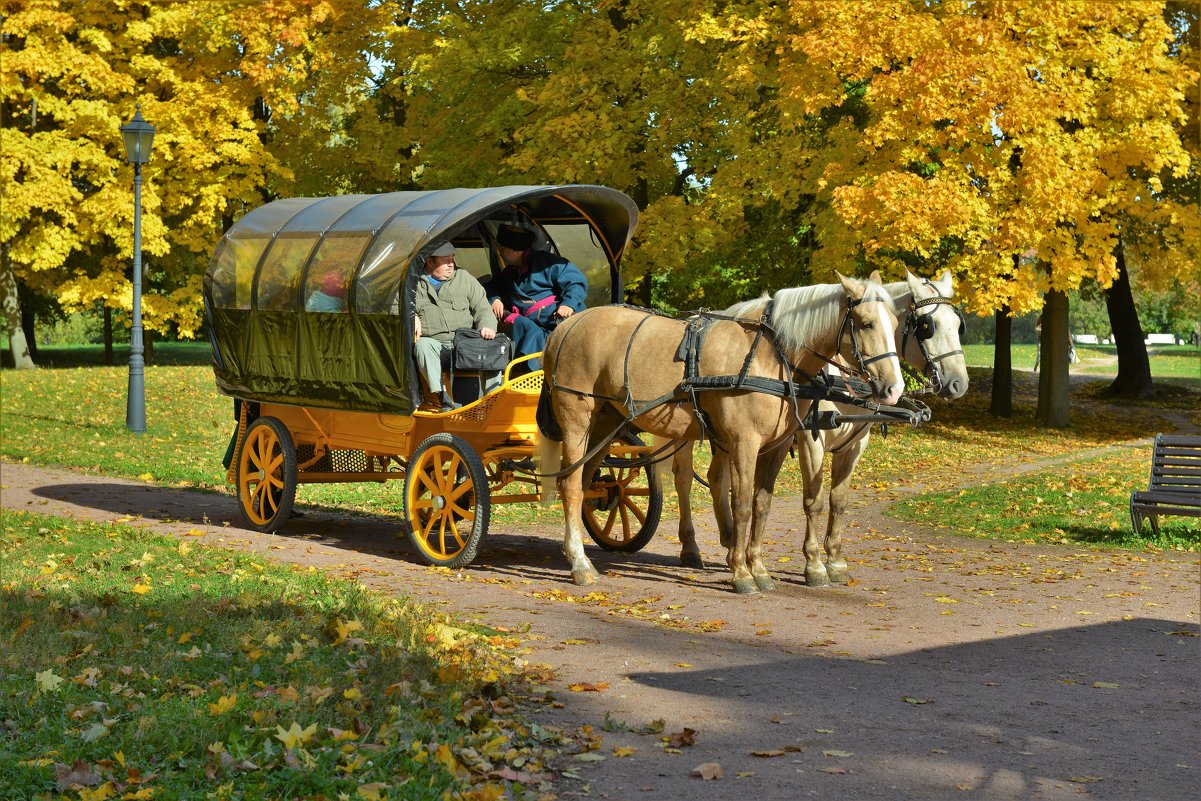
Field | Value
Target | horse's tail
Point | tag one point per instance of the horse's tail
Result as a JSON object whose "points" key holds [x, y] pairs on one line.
{"points": [[550, 461], [550, 447], [545, 416]]}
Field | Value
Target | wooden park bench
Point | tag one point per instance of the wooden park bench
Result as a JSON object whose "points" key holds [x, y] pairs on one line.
{"points": [[1175, 487]]}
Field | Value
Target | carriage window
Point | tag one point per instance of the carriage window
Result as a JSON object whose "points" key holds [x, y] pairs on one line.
{"points": [[233, 273], [385, 264], [579, 245], [281, 272], [474, 261], [325, 288]]}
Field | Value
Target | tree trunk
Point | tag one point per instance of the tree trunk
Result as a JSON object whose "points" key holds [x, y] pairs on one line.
{"points": [[1134, 367], [147, 346], [27, 325], [1053, 386], [108, 336], [11, 303], [1002, 366]]}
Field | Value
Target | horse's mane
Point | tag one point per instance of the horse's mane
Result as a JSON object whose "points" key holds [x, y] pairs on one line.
{"points": [[804, 316]]}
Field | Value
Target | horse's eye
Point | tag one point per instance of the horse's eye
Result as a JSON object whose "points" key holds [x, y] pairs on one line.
{"points": [[868, 326]]}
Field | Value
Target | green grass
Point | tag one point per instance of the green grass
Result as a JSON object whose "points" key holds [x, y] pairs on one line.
{"points": [[165, 353], [145, 664], [1082, 502]]}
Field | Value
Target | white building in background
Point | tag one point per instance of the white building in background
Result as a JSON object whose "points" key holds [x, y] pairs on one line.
{"points": [[1161, 339]]}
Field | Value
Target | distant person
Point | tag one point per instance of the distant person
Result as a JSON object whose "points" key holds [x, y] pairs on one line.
{"points": [[535, 291], [330, 296], [1038, 352], [448, 299]]}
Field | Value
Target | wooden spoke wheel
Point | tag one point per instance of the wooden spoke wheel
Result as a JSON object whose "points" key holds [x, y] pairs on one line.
{"points": [[266, 477], [626, 516], [446, 500]]}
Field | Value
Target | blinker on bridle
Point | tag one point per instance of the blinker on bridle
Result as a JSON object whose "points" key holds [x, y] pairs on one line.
{"points": [[849, 322], [921, 327]]}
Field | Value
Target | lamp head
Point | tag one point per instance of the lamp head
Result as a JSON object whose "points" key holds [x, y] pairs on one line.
{"points": [[139, 136]]}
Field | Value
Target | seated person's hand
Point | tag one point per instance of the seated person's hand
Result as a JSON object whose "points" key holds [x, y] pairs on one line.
{"points": [[564, 311], [498, 308], [417, 328], [487, 333]]}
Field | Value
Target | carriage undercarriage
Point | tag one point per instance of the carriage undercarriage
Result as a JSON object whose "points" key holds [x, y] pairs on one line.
{"points": [[455, 466]]}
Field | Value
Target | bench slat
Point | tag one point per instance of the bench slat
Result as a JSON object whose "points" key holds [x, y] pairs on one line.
{"points": [[1153, 497]]}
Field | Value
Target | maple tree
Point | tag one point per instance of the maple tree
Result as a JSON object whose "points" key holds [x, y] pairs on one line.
{"points": [[966, 134], [208, 75]]}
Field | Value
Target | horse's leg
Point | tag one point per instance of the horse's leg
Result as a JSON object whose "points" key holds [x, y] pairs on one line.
{"points": [[681, 465], [810, 455], [841, 468], [577, 417], [741, 463], [766, 471], [681, 475], [719, 488]]}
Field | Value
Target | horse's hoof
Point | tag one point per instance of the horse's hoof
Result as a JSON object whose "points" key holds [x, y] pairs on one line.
{"points": [[584, 577], [765, 583], [692, 560], [838, 575], [817, 579], [745, 586]]}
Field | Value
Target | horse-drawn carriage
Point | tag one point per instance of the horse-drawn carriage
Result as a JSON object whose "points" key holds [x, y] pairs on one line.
{"points": [[329, 392]]}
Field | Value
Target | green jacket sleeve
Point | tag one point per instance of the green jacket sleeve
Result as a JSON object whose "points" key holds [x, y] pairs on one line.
{"points": [[481, 309]]}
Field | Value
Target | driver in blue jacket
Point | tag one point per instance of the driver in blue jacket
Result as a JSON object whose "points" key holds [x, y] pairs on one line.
{"points": [[535, 291]]}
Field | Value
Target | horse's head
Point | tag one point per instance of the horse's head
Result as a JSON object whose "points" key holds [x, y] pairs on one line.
{"points": [[931, 332], [866, 339]]}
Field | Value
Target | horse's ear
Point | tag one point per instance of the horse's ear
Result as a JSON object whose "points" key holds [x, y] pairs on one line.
{"points": [[915, 284], [853, 287], [875, 278], [946, 283]]}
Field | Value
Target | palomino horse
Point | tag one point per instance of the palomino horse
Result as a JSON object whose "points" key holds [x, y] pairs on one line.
{"points": [[929, 330], [611, 365]]}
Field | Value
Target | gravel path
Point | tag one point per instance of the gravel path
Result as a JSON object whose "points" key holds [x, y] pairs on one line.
{"points": [[951, 668]]}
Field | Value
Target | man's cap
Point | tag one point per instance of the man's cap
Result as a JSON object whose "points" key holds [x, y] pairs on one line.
{"points": [[514, 238], [445, 249]]}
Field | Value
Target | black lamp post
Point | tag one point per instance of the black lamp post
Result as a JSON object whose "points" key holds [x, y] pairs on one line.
{"points": [[139, 135]]}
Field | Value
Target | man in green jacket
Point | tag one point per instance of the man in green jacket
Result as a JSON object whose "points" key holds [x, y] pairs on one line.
{"points": [[448, 299]]}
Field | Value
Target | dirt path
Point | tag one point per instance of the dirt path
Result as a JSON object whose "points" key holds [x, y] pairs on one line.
{"points": [[950, 669]]}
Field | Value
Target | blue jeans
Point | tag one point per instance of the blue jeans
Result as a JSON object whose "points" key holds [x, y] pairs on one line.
{"points": [[529, 337]]}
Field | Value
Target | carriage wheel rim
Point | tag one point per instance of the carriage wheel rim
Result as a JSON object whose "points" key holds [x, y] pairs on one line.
{"points": [[262, 475], [617, 504], [434, 503]]}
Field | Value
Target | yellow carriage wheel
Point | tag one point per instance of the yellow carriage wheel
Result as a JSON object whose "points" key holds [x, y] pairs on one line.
{"points": [[625, 517], [266, 476], [446, 500]]}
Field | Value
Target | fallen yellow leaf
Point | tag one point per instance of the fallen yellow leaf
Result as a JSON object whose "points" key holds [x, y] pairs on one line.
{"points": [[294, 735], [223, 705]]}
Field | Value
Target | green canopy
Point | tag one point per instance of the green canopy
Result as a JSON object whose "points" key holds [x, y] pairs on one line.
{"points": [[308, 299]]}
